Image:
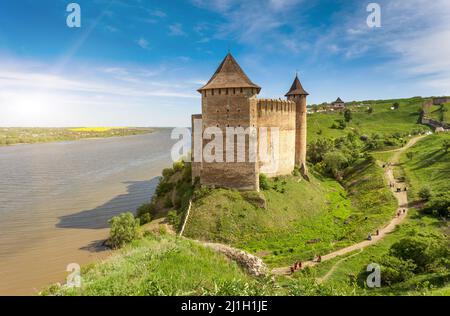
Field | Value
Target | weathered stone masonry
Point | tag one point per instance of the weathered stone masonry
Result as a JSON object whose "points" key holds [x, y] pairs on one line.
{"points": [[229, 99]]}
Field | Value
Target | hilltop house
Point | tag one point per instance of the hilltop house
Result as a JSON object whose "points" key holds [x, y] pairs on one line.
{"points": [[338, 104]]}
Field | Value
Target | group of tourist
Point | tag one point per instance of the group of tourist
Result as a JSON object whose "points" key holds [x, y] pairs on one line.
{"points": [[299, 265]]}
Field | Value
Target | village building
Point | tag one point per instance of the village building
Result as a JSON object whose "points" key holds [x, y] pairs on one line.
{"points": [[338, 104]]}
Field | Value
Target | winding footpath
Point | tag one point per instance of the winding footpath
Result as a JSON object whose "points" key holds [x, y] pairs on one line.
{"points": [[402, 199]]}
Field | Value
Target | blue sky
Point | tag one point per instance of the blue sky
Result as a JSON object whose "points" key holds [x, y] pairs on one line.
{"points": [[139, 63]]}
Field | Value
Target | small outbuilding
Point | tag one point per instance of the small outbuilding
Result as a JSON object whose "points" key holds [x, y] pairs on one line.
{"points": [[338, 104]]}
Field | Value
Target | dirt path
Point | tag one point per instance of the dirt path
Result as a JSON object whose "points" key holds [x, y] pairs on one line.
{"points": [[402, 199], [334, 267]]}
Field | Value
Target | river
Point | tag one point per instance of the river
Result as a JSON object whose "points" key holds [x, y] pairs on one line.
{"points": [[56, 199]]}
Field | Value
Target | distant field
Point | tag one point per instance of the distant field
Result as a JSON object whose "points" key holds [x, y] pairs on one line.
{"points": [[18, 135], [95, 129], [382, 120]]}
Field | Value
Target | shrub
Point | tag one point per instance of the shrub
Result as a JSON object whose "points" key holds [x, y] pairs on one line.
{"points": [[173, 218], [146, 218], [187, 172], [395, 270], [425, 193], [146, 208], [168, 202], [124, 228], [263, 182], [423, 251], [167, 173], [178, 166], [163, 188], [201, 192], [335, 162], [439, 205], [348, 115]]}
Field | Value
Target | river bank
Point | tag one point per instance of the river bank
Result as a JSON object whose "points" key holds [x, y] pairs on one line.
{"points": [[13, 136]]}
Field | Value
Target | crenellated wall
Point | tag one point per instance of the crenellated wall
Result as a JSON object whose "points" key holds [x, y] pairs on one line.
{"points": [[279, 114]]}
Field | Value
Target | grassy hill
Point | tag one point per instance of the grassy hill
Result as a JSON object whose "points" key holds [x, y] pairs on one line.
{"points": [[429, 165], [383, 120], [301, 218], [290, 220], [164, 265], [350, 267]]}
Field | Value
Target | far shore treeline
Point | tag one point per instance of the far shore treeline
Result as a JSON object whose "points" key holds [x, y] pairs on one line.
{"points": [[32, 135]]}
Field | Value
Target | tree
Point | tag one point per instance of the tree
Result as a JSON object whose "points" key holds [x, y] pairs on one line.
{"points": [[425, 193], [348, 115], [446, 145], [335, 162], [396, 105], [124, 229], [370, 110], [317, 150]]}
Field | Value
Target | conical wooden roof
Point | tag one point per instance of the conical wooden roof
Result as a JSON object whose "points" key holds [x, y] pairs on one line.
{"points": [[297, 88], [229, 75]]}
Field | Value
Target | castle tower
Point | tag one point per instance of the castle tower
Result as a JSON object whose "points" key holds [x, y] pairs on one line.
{"points": [[229, 100], [298, 95]]}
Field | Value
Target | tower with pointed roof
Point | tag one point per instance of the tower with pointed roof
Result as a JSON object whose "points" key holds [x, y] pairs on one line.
{"points": [[298, 95], [229, 100]]}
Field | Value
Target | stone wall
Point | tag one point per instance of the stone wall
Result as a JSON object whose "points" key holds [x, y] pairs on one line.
{"points": [[239, 108], [277, 114], [222, 108]]}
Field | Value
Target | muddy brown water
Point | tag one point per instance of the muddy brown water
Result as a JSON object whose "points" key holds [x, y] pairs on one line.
{"points": [[56, 199]]}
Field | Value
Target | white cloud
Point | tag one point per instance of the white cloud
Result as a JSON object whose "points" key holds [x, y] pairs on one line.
{"points": [[158, 13], [143, 43], [176, 30], [31, 95]]}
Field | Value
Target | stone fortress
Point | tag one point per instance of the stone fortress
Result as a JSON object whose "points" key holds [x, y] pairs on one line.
{"points": [[229, 99]]}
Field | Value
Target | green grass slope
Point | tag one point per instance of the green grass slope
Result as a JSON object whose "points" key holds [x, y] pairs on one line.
{"points": [[355, 263], [383, 120], [429, 165], [302, 218], [163, 265]]}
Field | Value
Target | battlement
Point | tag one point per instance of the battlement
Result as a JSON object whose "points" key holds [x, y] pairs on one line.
{"points": [[275, 105]]}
